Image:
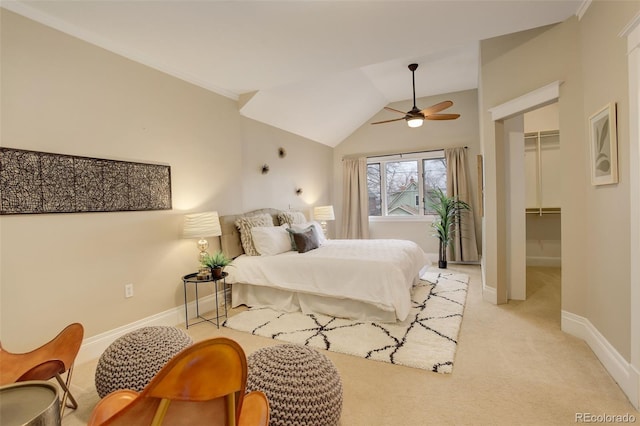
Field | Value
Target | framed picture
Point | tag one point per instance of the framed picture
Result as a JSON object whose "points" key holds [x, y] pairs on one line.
{"points": [[604, 146], [480, 185]]}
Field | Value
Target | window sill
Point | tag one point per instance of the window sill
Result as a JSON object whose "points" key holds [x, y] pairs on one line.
{"points": [[402, 219]]}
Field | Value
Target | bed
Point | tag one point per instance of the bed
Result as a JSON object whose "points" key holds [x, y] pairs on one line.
{"points": [[357, 279]]}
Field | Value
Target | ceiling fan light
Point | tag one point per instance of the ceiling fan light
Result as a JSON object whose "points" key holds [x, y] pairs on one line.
{"points": [[415, 122]]}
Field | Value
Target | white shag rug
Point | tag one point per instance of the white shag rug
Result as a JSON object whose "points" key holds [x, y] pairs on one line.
{"points": [[427, 339]]}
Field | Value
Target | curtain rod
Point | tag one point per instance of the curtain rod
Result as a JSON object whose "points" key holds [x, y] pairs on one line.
{"points": [[405, 153]]}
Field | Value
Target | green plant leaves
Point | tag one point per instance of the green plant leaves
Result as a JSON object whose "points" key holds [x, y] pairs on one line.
{"points": [[448, 211]]}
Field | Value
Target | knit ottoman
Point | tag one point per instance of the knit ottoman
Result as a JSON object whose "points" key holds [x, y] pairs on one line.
{"points": [[302, 385], [132, 360]]}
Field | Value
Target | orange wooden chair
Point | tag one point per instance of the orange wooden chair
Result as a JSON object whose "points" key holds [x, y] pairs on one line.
{"points": [[203, 384], [50, 360]]}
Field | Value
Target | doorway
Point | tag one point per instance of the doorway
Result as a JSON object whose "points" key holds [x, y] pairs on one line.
{"points": [[532, 204], [533, 199], [510, 158]]}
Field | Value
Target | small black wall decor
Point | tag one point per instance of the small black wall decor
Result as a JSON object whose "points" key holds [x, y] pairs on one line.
{"points": [[41, 182]]}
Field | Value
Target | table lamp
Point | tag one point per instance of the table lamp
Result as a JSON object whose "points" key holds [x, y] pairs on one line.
{"points": [[323, 214], [201, 225]]}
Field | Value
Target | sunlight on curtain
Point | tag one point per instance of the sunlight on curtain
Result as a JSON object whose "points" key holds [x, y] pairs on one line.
{"points": [[463, 248]]}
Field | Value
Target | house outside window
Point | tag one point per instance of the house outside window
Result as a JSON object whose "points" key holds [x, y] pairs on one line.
{"points": [[398, 184]]}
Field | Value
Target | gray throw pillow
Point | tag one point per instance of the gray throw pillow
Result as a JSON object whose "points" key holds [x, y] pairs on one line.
{"points": [[305, 240]]}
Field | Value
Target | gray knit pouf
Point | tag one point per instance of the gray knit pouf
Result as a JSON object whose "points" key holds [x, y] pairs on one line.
{"points": [[302, 385], [132, 360]]}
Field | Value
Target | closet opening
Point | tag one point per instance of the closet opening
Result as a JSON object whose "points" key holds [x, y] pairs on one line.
{"points": [[543, 208]]}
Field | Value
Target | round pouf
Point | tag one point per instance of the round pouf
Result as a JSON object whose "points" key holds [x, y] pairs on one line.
{"points": [[132, 360], [302, 385]]}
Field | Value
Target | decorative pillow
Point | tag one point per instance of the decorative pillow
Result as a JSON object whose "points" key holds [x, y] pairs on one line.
{"points": [[305, 240], [316, 227], [270, 240], [292, 231], [244, 225], [291, 218]]}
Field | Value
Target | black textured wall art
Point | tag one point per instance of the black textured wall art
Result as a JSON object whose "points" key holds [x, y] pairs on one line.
{"points": [[40, 182]]}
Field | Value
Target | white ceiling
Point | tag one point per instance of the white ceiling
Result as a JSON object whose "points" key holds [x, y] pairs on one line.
{"points": [[319, 69]]}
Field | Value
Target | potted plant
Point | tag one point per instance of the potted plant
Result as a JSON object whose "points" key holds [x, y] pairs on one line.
{"points": [[448, 211], [216, 263]]}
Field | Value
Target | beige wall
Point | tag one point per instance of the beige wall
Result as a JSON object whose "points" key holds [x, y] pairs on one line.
{"points": [[65, 96], [397, 137], [604, 73], [590, 59], [304, 166], [511, 66]]}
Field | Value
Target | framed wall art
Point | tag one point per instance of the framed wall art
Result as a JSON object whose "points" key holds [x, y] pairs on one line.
{"points": [[603, 142], [34, 182], [480, 192]]}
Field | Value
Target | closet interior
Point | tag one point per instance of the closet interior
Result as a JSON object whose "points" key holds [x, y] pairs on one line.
{"points": [[543, 181]]}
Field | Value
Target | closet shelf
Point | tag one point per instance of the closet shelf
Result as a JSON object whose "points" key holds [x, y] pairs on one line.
{"points": [[543, 210], [542, 134]]}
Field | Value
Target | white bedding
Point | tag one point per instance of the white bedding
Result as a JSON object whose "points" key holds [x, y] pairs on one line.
{"points": [[377, 272]]}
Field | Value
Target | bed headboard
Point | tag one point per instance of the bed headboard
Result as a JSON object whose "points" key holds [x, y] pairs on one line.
{"points": [[230, 239]]}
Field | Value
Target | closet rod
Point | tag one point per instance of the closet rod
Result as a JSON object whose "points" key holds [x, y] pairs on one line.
{"points": [[547, 135]]}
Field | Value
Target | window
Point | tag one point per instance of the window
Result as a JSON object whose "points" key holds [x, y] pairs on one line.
{"points": [[398, 184]]}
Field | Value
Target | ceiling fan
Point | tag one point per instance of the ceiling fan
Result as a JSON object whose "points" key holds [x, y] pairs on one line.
{"points": [[415, 117]]}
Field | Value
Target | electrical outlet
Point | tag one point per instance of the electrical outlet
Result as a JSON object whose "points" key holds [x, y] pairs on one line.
{"points": [[128, 290]]}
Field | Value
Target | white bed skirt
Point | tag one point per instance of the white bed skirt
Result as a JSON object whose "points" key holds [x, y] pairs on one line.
{"points": [[286, 301]]}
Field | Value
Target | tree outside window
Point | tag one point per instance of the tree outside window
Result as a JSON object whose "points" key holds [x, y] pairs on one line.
{"points": [[435, 176]]}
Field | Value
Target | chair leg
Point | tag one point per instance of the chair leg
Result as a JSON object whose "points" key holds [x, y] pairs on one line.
{"points": [[66, 393]]}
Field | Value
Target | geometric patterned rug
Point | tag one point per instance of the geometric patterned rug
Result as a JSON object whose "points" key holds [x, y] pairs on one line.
{"points": [[427, 339]]}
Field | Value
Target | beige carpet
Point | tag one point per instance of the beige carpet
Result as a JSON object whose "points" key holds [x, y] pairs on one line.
{"points": [[513, 367]]}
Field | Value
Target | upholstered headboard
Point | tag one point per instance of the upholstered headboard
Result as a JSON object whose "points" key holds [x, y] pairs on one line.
{"points": [[230, 239]]}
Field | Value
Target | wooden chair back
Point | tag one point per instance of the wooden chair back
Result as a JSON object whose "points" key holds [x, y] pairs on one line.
{"points": [[63, 348], [203, 384], [50, 360]]}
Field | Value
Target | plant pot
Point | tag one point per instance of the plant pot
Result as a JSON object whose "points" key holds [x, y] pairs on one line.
{"points": [[442, 256], [216, 272]]}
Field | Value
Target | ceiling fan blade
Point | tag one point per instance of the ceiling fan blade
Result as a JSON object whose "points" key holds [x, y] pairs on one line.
{"points": [[395, 110], [436, 108], [388, 121], [442, 116]]}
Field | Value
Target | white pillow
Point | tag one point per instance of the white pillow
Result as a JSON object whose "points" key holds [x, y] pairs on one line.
{"points": [[316, 227], [270, 240], [291, 218], [244, 225]]}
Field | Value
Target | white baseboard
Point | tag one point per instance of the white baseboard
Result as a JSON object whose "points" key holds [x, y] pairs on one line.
{"points": [[555, 262], [489, 294], [92, 347], [625, 374]]}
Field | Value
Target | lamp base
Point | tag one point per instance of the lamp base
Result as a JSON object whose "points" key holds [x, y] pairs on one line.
{"points": [[323, 225]]}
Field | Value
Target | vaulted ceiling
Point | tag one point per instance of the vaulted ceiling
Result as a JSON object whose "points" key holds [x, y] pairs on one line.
{"points": [[319, 69]]}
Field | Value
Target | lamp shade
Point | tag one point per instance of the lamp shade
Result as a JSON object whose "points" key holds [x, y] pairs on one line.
{"points": [[323, 213], [199, 225]]}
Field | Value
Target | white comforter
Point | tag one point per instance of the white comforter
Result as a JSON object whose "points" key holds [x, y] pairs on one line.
{"points": [[379, 272]]}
